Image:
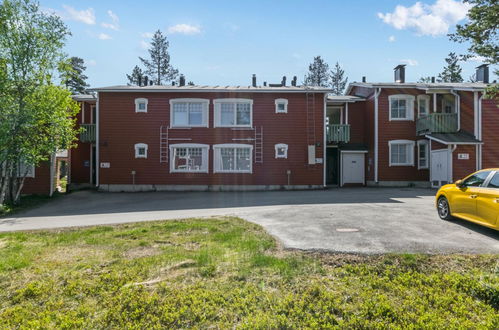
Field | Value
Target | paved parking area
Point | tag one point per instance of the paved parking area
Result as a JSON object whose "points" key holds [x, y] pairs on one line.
{"points": [[350, 220]]}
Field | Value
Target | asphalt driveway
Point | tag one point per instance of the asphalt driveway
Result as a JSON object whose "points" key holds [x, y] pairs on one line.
{"points": [[350, 220]]}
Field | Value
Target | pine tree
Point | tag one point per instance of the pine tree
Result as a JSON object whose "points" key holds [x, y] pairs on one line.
{"points": [[318, 73], [452, 72], [338, 80], [72, 75], [425, 80], [136, 77], [158, 67]]}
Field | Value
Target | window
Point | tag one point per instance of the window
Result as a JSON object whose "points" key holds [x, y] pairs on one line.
{"points": [[233, 112], [494, 182], [140, 150], [189, 112], [476, 180], [401, 153], [448, 103], [422, 154], [281, 150], [401, 107], [26, 169], [233, 158], [189, 158], [281, 106], [141, 105], [423, 105]]}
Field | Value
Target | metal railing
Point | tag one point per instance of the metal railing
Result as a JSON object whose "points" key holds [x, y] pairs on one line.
{"points": [[338, 133], [437, 123], [88, 133]]}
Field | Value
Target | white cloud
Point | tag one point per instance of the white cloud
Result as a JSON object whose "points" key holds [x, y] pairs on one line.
{"points": [[86, 16], [147, 35], [115, 25], [104, 36], [427, 19], [410, 62], [91, 62], [391, 38], [477, 58], [144, 44], [184, 29]]}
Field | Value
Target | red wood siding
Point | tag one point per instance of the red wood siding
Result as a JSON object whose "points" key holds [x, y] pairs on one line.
{"points": [[81, 154], [121, 128], [467, 112], [463, 167], [40, 184], [490, 133], [357, 121]]}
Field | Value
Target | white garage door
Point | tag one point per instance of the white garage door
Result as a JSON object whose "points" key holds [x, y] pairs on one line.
{"points": [[352, 168]]}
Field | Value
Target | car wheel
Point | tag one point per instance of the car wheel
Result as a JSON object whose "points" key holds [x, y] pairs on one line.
{"points": [[444, 209]]}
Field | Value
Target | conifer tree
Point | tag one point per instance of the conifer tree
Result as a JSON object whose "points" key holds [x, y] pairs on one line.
{"points": [[338, 80], [158, 67]]}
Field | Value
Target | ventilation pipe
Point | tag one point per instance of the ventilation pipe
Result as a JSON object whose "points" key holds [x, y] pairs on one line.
{"points": [[182, 80], [400, 73], [293, 82], [432, 80], [253, 80], [482, 73], [146, 81], [140, 81], [283, 82], [363, 79]]}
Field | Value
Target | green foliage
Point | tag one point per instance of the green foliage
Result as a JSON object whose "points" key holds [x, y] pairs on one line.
{"points": [[136, 77], [72, 76], [318, 73], [452, 72], [425, 80], [227, 273], [158, 66]]}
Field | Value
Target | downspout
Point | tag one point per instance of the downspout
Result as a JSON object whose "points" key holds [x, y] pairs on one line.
{"points": [[452, 148], [324, 143], [475, 128], [376, 95], [457, 99], [97, 143], [53, 163], [480, 131]]}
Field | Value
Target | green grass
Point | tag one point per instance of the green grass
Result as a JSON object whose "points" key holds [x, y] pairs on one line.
{"points": [[226, 273], [27, 202]]}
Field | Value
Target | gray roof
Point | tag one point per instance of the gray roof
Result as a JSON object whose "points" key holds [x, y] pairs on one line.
{"points": [[84, 97], [344, 99], [454, 138], [243, 89], [425, 86]]}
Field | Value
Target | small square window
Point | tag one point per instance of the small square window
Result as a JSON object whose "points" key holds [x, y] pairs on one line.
{"points": [[141, 105], [281, 150], [140, 150], [281, 106]]}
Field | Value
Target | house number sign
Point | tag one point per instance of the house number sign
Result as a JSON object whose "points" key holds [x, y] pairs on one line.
{"points": [[463, 156]]}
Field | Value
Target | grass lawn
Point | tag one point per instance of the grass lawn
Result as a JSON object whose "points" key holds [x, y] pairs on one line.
{"points": [[227, 273], [27, 202]]}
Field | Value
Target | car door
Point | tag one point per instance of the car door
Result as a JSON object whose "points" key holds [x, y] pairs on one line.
{"points": [[487, 203], [463, 200]]}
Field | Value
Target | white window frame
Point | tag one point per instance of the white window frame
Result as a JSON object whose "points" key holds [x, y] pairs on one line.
{"points": [[281, 101], [137, 146], [410, 152], [427, 154], [279, 146], [22, 167], [426, 100], [205, 113], [204, 157], [137, 102], [409, 109], [217, 105], [217, 157]]}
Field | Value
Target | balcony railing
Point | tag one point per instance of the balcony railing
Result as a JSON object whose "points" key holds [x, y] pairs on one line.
{"points": [[338, 133], [88, 133], [437, 123]]}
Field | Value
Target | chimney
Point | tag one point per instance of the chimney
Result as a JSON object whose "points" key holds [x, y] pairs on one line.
{"points": [[253, 80], [146, 81], [482, 73], [363, 79], [432, 80], [400, 73], [140, 81], [182, 80], [293, 82], [283, 82]]}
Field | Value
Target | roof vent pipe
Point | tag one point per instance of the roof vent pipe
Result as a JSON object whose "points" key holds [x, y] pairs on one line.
{"points": [[140, 81], [293, 82], [482, 73], [400, 73], [265, 83], [283, 82], [146, 81], [173, 83], [363, 79], [432, 80], [253, 80], [182, 80]]}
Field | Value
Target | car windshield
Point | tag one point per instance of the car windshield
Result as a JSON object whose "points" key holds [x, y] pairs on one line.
{"points": [[476, 179]]}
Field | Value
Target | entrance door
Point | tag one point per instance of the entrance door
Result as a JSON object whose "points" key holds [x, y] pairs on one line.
{"points": [[352, 168], [439, 167], [332, 166]]}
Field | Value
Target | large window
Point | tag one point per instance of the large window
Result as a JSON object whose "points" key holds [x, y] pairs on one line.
{"points": [[233, 112], [189, 158], [423, 153], [423, 105], [189, 112], [401, 152], [233, 158], [401, 107]]}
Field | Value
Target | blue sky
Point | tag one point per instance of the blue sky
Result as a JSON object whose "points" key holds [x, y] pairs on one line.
{"points": [[225, 42]]}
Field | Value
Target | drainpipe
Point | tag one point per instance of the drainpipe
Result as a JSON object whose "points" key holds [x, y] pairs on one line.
{"points": [[376, 95], [475, 128], [480, 131], [457, 99], [97, 142], [452, 148], [324, 144]]}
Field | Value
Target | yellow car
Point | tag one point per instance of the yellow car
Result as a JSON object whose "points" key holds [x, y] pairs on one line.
{"points": [[474, 198]]}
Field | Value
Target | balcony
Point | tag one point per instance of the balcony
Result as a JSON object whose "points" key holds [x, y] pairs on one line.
{"points": [[338, 133], [437, 123], [87, 133]]}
